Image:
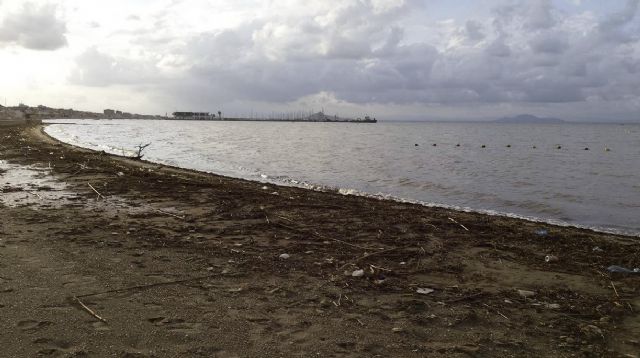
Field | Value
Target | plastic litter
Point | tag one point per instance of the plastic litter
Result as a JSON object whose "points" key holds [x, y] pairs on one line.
{"points": [[284, 256], [542, 232], [357, 273], [620, 269], [425, 291], [526, 293], [550, 258]]}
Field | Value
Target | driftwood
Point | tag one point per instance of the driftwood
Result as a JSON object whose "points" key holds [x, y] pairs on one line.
{"points": [[97, 192], [370, 255], [89, 310], [454, 220], [141, 147], [167, 213], [144, 287]]}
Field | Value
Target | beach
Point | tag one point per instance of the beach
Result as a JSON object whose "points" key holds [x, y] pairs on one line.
{"points": [[108, 256]]}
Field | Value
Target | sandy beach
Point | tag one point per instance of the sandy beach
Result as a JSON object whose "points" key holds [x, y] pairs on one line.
{"points": [[108, 256]]}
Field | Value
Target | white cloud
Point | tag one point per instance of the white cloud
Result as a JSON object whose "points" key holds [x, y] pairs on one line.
{"points": [[34, 27], [353, 54]]}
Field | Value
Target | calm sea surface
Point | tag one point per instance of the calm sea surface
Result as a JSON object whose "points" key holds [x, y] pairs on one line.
{"points": [[590, 188]]}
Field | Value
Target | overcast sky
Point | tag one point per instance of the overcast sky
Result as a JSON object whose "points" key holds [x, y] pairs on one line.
{"points": [[393, 59]]}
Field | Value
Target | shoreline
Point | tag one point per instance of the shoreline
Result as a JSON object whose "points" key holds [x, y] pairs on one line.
{"points": [[185, 263], [384, 197]]}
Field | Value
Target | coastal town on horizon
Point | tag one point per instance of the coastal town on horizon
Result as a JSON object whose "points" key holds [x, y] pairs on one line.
{"points": [[24, 112]]}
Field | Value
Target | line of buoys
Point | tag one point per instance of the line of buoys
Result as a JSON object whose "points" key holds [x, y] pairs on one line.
{"points": [[606, 149]]}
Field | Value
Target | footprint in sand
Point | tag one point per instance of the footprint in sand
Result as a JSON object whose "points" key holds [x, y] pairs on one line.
{"points": [[31, 325], [177, 325], [57, 347], [100, 326]]}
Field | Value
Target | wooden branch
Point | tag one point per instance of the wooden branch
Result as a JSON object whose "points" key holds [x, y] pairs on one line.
{"points": [[464, 227], [342, 242], [97, 192], [89, 310], [614, 289], [369, 255], [168, 213], [144, 287]]}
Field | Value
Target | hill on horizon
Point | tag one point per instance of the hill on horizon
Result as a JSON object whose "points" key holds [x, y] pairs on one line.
{"points": [[528, 118]]}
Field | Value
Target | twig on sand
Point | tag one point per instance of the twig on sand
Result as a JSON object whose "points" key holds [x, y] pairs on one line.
{"points": [[464, 298], [168, 213], [454, 220], [340, 241], [614, 289], [34, 193], [498, 312], [89, 310], [144, 287], [97, 192], [380, 268], [369, 255]]}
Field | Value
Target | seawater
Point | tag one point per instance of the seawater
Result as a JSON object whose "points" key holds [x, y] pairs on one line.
{"points": [[540, 172]]}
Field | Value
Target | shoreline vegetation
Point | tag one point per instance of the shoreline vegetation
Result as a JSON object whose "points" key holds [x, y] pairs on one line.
{"points": [[103, 255]]}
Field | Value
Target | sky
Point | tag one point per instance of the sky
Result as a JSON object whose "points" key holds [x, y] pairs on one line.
{"points": [[392, 59]]}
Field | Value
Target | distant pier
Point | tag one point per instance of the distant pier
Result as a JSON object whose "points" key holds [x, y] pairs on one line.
{"points": [[314, 118]]}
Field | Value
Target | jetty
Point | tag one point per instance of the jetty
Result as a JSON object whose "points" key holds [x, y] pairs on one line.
{"points": [[282, 117]]}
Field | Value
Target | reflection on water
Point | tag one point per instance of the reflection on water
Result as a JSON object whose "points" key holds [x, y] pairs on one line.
{"points": [[31, 186], [520, 171]]}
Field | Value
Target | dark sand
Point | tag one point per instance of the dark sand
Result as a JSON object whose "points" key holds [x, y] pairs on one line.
{"points": [[184, 264]]}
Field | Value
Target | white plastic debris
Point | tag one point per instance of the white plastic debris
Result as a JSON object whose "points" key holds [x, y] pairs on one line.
{"points": [[357, 273], [551, 258], [425, 290], [526, 294], [284, 256]]}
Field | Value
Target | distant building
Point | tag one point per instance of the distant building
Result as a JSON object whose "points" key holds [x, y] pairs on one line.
{"points": [[109, 112], [192, 115]]}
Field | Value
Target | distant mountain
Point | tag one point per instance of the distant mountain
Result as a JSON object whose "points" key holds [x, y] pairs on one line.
{"points": [[528, 118]]}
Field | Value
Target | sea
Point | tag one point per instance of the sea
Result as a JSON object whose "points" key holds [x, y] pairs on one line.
{"points": [[583, 175]]}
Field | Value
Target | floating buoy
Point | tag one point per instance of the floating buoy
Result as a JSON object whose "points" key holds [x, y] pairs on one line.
{"points": [[586, 148], [508, 145], [484, 146]]}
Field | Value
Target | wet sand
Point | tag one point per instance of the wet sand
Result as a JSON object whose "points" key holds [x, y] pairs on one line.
{"points": [[165, 262]]}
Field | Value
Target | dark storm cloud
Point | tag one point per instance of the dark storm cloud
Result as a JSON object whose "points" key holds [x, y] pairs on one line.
{"points": [[34, 27], [528, 52]]}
